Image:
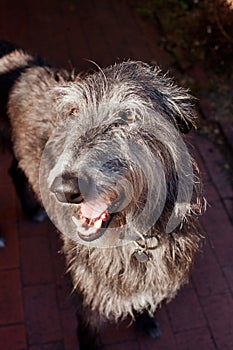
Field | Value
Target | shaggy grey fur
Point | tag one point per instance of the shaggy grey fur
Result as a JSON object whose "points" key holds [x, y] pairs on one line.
{"points": [[114, 136]]}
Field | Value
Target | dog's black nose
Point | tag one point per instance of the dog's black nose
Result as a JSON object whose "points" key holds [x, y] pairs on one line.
{"points": [[66, 189]]}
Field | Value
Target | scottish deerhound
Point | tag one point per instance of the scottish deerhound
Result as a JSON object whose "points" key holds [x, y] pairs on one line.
{"points": [[105, 155]]}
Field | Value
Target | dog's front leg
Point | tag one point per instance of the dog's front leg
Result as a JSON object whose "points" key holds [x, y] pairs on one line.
{"points": [[89, 325], [27, 198], [147, 324]]}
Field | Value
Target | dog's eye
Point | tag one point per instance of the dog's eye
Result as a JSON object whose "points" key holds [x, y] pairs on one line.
{"points": [[129, 116], [74, 111]]}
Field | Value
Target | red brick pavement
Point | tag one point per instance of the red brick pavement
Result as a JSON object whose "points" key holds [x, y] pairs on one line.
{"points": [[36, 311]]}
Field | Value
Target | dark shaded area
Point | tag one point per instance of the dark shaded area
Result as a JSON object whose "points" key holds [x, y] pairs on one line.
{"points": [[197, 33]]}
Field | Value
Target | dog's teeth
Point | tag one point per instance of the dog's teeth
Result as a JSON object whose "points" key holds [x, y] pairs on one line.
{"points": [[104, 216], [98, 223], [84, 226]]}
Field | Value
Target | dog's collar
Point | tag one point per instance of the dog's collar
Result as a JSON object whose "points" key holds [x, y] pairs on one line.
{"points": [[144, 247]]}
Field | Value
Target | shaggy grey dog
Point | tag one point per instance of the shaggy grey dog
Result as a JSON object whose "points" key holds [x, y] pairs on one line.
{"points": [[105, 155]]}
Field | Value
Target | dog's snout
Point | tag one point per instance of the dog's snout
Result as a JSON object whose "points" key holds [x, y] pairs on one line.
{"points": [[66, 189]]}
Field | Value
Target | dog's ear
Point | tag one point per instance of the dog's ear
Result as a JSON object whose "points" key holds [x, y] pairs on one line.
{"points": [[175, 101], [182, 110]]}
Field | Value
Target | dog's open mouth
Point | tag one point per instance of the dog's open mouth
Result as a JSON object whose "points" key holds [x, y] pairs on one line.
{"points": [[94, 217]]}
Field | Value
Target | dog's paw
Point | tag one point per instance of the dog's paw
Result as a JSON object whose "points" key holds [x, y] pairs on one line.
{"points": [[148, 325]]}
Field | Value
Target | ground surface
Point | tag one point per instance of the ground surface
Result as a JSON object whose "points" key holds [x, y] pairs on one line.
{"points": [[36, 312], [197, 32]]}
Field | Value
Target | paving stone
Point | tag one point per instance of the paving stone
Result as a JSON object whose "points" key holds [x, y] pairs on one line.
{"points": [[11, 304], [218, 310], [51, 346], [129, 345], [36, 260], [195, 339], [219, 228], [207, 274], [9, 256], [42, 315], [228, 272], [115, 333], [185, 311], [229, 207], [13, 338], [69, 324], [28, 228], [214, 161]]}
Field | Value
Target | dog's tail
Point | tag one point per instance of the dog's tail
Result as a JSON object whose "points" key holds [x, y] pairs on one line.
{"points": [[13, 62]]}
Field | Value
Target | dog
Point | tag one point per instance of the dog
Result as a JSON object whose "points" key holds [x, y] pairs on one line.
{"points": [[105, 155]]}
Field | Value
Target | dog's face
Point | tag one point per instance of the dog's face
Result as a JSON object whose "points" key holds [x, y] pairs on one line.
{"points": [[116, 163]]}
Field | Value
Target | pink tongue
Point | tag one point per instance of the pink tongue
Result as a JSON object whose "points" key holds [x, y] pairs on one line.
{"points": [[94, 209]]}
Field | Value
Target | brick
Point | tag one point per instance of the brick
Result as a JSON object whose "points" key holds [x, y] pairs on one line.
{"points": [[36, 260], [151, 39], [129, 345], [37, 20], [14, 31], [8, 199], [29, 227], [218, 311], [65, 297], [80, 18], [13, 338], [63, 281], [75, 33], [8, 206], [69, 324], [194, 152], [42, 315], [228, 272], [215, 161], [229, 207], [9, 256], [207, 275], [98, 49], [58, 257], [5, 163], [185, 311], [227, 128], [115, 333], [51, 346], [206, 108], [200, 76], [137, 48], [11, 307], [42, 13], [216, 223], [210, 194], [114, 38], [195, 339]]}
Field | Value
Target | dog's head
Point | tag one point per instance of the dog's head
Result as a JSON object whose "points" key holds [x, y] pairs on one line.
{"points": [[117, 166]]}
